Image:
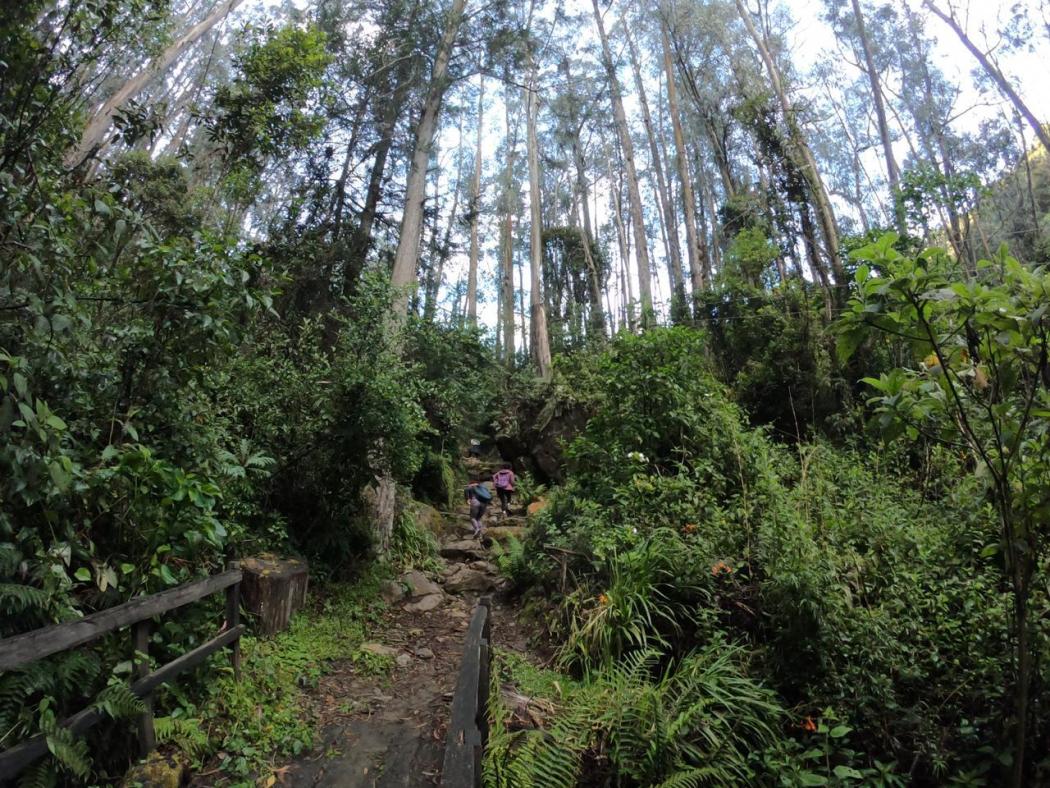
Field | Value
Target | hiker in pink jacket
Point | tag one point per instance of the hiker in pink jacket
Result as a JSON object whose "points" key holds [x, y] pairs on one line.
{"points": [[503, 481]]}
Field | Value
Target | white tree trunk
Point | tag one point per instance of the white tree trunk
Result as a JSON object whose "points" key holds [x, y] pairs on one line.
{"points": [[668, 215], [541, 349], [507, 243], [807, 163], [406, 258], [475, 209], [696, 253], [641, 252], [95, 133]]}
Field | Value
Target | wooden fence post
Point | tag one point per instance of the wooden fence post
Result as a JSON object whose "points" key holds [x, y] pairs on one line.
{"points": [[233, 618], [140, 642]]}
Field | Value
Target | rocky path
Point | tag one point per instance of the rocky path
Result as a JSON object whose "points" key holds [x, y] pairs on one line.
{"points": [[389, 730]]}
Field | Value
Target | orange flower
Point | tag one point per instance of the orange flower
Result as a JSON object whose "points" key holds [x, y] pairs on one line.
{"points": [[689, 528], [809, 725], [721, 568], [603, 599]]}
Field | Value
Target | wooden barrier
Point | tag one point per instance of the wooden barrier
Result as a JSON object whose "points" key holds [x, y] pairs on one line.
{"points": [[468, 726], [20, 650]]}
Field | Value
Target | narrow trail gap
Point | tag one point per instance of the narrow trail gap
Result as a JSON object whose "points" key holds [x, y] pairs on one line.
{"points": [[389, 730]]}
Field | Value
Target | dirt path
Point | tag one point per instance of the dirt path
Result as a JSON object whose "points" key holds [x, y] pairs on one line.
{"points": [[389, 730]]}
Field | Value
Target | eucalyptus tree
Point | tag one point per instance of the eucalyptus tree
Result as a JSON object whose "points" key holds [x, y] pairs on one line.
{"points": [[95, 132], [641, 250]]}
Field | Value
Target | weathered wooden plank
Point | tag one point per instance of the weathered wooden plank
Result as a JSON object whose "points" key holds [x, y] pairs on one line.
{"points": [[19, 757], [233, 619], [23, 649], [463, 746], [140, 642]]}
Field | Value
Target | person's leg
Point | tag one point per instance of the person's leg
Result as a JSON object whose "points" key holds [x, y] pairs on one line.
{"points": [[476, 511], [483, 507], [504, 500]]}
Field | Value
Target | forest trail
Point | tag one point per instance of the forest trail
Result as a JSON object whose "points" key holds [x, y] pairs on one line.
{"points": [[389, 729]]}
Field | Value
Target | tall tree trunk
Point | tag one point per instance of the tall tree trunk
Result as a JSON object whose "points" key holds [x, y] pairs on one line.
{"points": [[406, 258], [641, 251], [626, 293], [541, 350], [475, 209], [507, 240], [892, 170], [993, 71], [597, 315], [697, 254], [807, 163], [679, 308], [95, 133], [443, 252]]}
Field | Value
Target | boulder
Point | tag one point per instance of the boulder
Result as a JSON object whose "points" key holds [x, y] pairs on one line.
{"points": [[392, 591], [427, 517], [501, 533], [419, 584], [273, 590], [379, 649], [484, 566], [424, 653], [467, 579], [462, 549], [426, 604], [403, 660], [156, 771]]}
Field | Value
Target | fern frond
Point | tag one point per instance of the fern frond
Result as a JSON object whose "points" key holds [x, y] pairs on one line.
{"points": [[42, 774], [18, 598], [185, 733], [118, 701], [70, 752]]}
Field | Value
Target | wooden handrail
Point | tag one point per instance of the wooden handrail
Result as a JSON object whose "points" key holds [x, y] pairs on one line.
{"points": [[468, 725], [21, 650]]}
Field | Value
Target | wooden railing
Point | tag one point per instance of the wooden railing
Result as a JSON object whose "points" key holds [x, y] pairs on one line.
{"points": [[20, 650], [468, 726]]}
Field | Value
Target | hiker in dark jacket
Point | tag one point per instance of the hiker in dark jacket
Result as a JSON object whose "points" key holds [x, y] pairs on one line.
{"points": [[503, 480], [478, 498]]}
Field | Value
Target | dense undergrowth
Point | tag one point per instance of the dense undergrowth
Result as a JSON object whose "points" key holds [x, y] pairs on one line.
{"points": [[240, 730], [841, 608]]}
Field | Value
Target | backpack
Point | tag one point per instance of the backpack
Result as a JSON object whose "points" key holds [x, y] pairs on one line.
{"points": [[503, 479], [481, 492]]}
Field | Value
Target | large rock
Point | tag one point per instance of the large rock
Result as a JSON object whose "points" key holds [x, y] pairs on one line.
{"points": [[501, 533], [273, 590], [379, 649], [419, 584], [467, 579], [392, 591], [156, 771], [426, 604], [462, 549], [427, 517]]}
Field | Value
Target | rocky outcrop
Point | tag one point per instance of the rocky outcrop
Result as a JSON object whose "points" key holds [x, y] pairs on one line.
{"points": [[419, 584], [426, 603], [463, 578], [463, 550]]}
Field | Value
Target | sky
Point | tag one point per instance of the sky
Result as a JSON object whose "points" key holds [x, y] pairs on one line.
{"points": [[810, 39]]}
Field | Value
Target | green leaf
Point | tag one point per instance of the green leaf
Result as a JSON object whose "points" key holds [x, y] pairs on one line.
{"points": [[839, 731], [83, 574], [809, 778], [845, 772], [990, 550], [55, 422]]}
